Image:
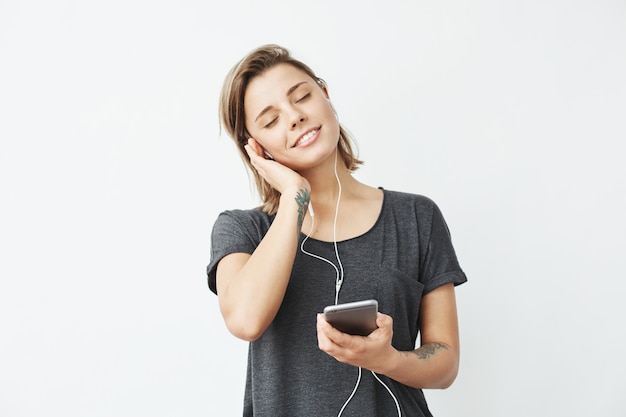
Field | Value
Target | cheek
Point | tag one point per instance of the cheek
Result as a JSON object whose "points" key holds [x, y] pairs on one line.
{"points": [[256, 133], [269, 140], [331, 117], [333, 121]]}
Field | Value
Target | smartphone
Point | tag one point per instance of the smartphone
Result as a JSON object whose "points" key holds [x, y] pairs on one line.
{"points": [[357, 318]]}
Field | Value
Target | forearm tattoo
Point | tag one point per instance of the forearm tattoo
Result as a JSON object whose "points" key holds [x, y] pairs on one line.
{"points": [[302, 200], [428, 350]]}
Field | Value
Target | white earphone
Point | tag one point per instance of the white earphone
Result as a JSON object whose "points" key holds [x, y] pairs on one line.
{"points": [[338, 284]]}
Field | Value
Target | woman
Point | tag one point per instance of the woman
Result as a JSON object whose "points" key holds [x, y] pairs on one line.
{"points": [[322, 237]]}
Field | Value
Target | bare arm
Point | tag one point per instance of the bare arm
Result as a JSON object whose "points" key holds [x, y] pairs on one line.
{"points": [[251, 287], [433, 365]]}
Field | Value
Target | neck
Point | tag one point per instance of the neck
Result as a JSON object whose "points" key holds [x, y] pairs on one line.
{"points": [[324, 183]]}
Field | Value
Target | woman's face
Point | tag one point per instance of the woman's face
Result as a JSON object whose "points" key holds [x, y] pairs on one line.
{"points": [[289, 114]]}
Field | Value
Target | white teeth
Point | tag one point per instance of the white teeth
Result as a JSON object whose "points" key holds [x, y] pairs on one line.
{"points": [[307, 137]]}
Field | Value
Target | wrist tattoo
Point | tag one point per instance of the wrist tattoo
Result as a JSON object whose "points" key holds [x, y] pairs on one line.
{"points": [[428, 350], [302, 200]]}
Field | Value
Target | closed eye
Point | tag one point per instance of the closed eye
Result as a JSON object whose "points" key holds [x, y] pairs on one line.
{"points": [[304, 97], [271, 123]]}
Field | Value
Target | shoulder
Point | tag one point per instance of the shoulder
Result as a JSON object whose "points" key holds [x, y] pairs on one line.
{"points": [[255, 214], [413, 210], [399, 201], [253, 221]]}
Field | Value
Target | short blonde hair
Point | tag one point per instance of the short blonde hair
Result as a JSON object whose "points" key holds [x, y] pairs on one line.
{"points": [[232, 113]]}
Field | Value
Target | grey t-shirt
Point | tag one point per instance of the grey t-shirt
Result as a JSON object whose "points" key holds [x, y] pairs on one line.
{"points": [[407, 253]]}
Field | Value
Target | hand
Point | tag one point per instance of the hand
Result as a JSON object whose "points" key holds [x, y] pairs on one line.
{"points": [[276, 174], [373, 352]]}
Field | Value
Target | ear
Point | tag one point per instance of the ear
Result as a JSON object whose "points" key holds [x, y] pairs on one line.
{"points": [[325, 90], [322, 85]]}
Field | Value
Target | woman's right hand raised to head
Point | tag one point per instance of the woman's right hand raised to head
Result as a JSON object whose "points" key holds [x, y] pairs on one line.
{"points": [[276, 174], [251, 287]]}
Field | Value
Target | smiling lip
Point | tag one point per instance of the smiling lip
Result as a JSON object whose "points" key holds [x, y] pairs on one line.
{"points": [[307, 137]]}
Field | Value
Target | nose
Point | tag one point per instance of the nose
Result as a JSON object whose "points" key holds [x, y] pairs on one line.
{"points": [[296, 122], [297, 117]]}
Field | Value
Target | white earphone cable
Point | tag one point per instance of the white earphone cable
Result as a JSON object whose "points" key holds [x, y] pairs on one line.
{"points": [[358, 381], [338, 271], [395, 400], [339, 282]]}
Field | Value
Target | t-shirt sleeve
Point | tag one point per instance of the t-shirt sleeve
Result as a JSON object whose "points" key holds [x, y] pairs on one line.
{"points": [[440, 265], [233, 232]]}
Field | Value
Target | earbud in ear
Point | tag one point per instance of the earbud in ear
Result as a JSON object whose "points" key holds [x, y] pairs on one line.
{"points": [[268, 155]]}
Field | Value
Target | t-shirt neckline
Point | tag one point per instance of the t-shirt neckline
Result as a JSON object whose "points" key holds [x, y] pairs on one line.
{"points": [[362, 235]]}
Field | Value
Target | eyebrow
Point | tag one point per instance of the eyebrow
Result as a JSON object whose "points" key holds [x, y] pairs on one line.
{"points": [[289, 92]]}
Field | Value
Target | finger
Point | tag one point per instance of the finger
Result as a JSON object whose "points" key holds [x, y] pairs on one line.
{"points": [[255, 147], [335, 337], [326, 328], [323, 341], [249, 150], [383, 320]]}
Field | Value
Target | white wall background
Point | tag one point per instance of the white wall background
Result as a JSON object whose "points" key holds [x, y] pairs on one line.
{"points": [[509, 114]]}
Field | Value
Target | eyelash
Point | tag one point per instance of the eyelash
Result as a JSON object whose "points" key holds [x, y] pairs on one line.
{"points": [[273, 121], [304, 97]]}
